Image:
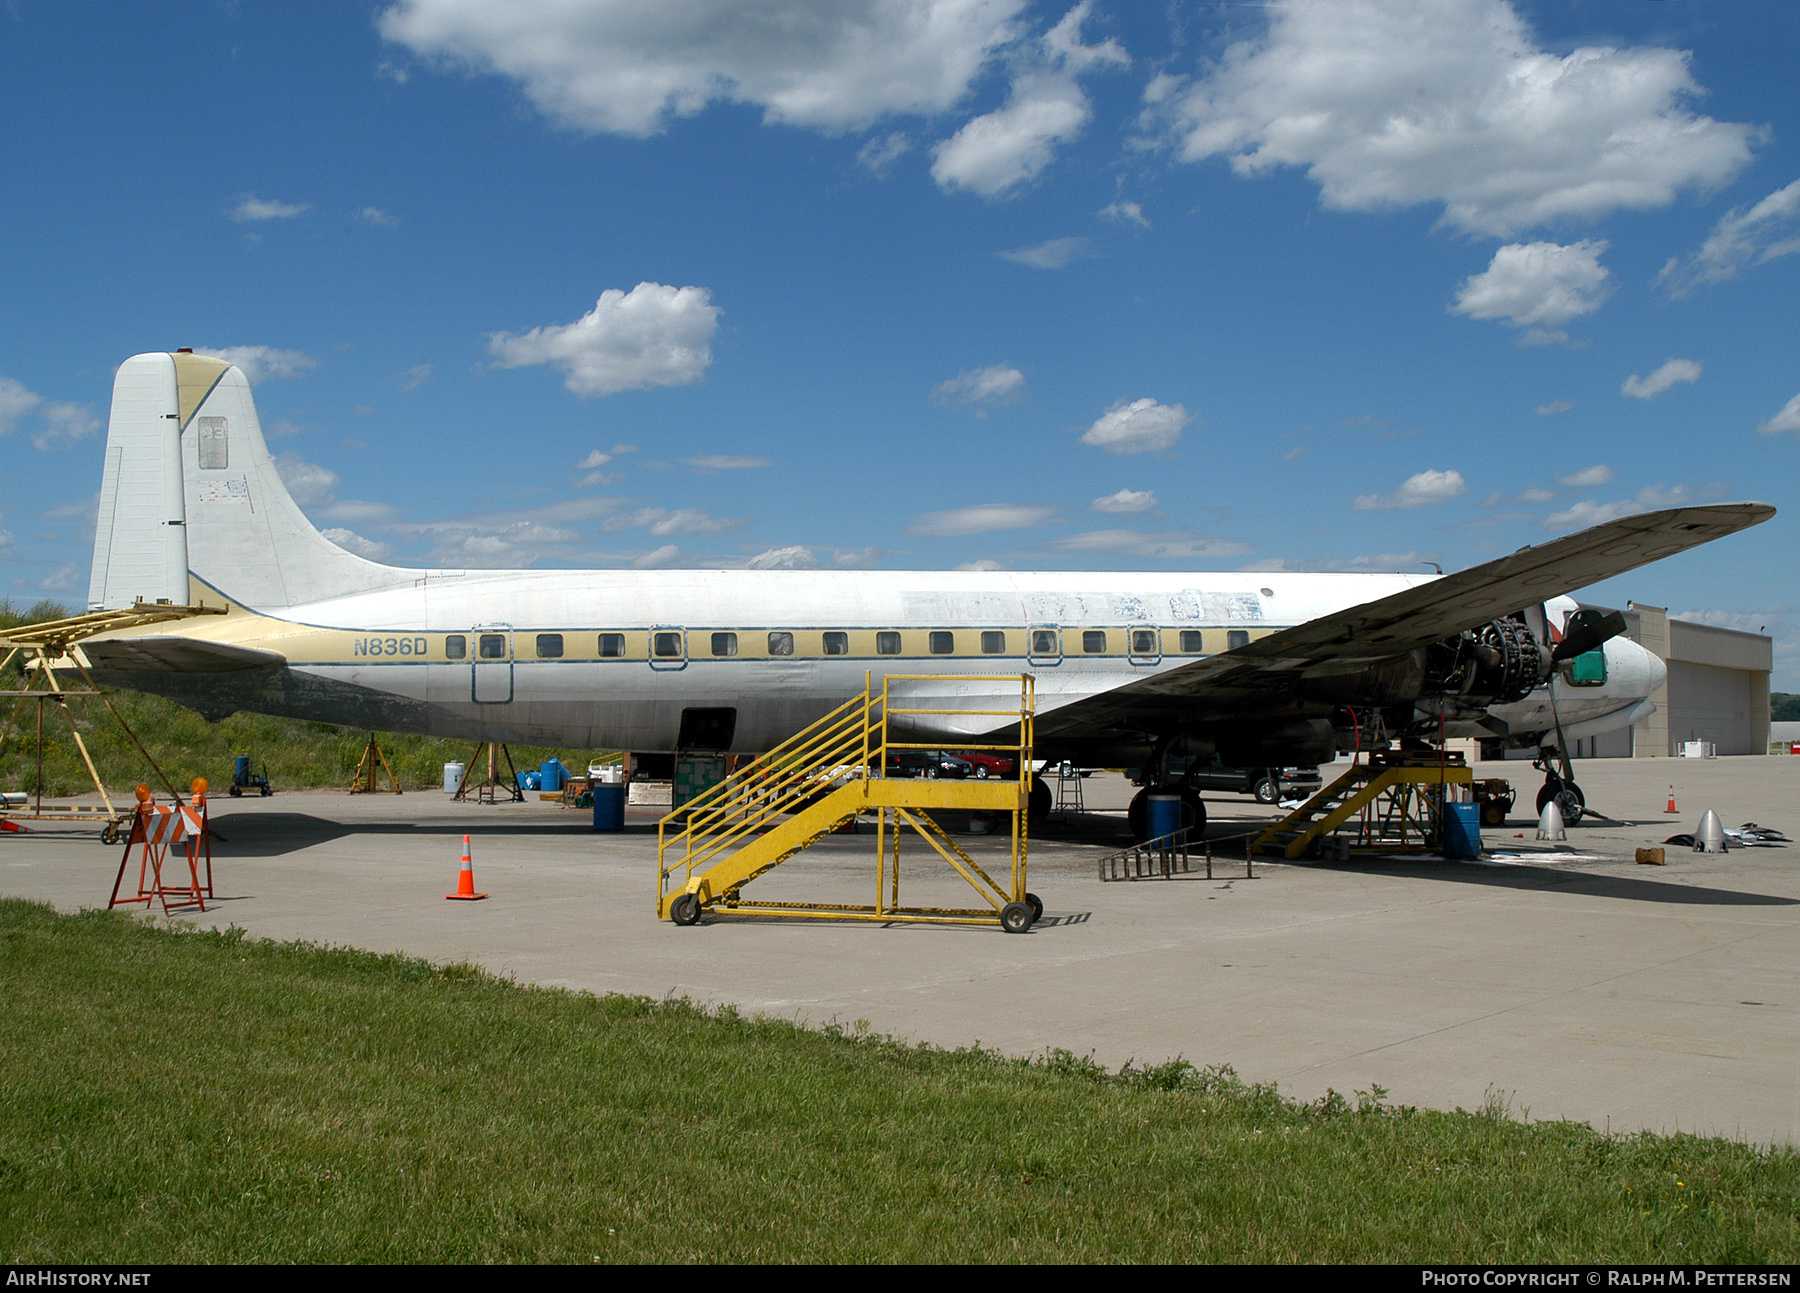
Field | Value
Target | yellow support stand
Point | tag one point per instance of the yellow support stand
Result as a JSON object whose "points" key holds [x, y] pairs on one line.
{"points": [[829, 774], [367, 782]]}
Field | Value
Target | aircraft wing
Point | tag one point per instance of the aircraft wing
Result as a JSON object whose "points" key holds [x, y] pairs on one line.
{"points": [[1245, 679], [175, 654]]}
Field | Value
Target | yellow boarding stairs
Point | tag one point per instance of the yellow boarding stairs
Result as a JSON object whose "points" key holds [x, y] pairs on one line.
{"points": [[829, 774], [1398, 797]]}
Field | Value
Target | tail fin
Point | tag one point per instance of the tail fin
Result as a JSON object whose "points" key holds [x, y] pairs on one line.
{"points": [[190, 486]]}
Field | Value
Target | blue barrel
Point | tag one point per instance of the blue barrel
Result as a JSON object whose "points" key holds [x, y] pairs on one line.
{"points": [[1164, 816], [1462, 830], [609, 808], [240, 770], [530, 781], [552, 774]]}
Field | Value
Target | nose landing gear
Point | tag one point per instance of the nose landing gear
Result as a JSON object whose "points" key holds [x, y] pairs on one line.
{"points": [[1559, 785]]}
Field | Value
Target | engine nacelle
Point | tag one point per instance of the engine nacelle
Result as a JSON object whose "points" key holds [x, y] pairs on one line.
{"points": [[1496, 664]]}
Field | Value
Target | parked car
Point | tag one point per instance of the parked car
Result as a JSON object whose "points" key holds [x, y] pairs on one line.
{"points": [[988, 764], [927, 763]]}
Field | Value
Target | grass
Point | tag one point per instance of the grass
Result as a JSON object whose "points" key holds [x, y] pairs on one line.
{"points": [[296, 753], [172, 1096]]}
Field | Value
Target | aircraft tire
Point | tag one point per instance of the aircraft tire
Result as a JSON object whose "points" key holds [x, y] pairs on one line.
{"points": [[1569, 801], [1038, 809]]}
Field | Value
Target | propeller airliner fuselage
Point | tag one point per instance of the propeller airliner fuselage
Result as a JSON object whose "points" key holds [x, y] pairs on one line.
{"points": [[1130, 669]]}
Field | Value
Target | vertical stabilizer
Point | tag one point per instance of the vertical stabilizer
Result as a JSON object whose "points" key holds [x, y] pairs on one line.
{"points": [[184, 432], [140, 538]]}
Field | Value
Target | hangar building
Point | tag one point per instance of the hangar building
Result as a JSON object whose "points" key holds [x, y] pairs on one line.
{"points": [[1717, 690]]}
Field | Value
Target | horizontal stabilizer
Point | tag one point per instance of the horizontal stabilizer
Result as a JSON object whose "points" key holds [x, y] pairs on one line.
{"points": [[175, 655]]}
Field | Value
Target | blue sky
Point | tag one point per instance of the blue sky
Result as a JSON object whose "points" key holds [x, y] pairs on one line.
{"points": [[874, 283]]}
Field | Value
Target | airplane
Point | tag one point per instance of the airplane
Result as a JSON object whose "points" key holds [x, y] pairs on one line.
{"points": [[1141, 670]]}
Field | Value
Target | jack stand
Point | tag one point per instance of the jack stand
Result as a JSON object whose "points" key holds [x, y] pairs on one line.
{"points": [[367, 782], [492, 790]]}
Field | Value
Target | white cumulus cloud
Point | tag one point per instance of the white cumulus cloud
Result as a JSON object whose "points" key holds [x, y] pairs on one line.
{"points": [[1000, 384], [15, 402], [1138, 426], [259, 363], [653, 335], [662, 523], [999, 151], [628, 67], [1053, 254], [308, 482], [1741, 238], [350, 541], [1587, 477], [1421, 490], [725, 462], [1786, 420], [1539, 286], [254, 208], [1648, 388], [1649, 499], [65, 422], [1391, 103], [1125, 213], [794, 557], [980, 519], [1126, 501], [1554, 407]]}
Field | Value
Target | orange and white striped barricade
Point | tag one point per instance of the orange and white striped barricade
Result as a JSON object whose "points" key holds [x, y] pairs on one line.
{"points": [[154, 830]]}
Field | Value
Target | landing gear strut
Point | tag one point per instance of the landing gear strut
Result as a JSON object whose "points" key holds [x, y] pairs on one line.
{"points": [[1559, 785]]}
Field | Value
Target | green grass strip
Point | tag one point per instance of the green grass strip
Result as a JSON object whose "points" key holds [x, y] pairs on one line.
{"points": [[199, 1097]]}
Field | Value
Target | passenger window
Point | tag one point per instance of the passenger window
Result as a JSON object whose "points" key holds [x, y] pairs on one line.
{"points": [[887, 644], [1190, 641], [612, 645], [993, 643], [493, 646], [724, 644], [665, 644], [1093, 641], [781, 644], [456, 647], [941, 642], [1235, 638], [1143, 642], [549, 646], [1043, 642], [837, 644]]}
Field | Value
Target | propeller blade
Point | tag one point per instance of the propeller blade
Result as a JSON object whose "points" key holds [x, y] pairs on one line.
{"points": [[1588, 636]]}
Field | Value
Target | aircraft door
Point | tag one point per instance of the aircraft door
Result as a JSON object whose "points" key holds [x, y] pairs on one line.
{"points": [[668, 647], [491, 664], [1145, 642]]}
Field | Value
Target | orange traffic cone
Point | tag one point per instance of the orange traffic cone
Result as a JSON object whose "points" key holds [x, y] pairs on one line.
{"points": [[465, 883], [1671, 808]]}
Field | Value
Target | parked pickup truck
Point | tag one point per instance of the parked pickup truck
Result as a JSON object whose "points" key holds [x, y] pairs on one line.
{"points": [[1267, 785]]}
